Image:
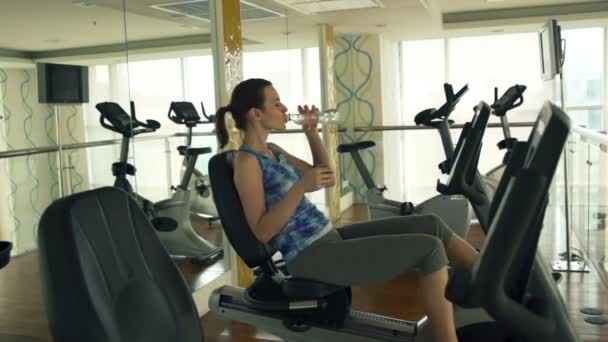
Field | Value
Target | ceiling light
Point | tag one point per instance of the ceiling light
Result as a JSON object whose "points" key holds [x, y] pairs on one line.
{"points": [[83, 3], [54, 41], [318, 6]]}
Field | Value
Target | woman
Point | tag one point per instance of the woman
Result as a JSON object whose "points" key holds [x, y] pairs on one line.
{"points": [[272, 185]]}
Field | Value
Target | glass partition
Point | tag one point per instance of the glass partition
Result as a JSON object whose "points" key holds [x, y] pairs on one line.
{"points": [[588, 205], [170, 60], [599, 208], [280, 48], [108, 83], [283, 53], [578, 184], [36, 111]]}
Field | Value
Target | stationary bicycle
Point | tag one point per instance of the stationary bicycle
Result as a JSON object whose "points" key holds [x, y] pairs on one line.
{"points": [[509, 282], [512, 98], [201, 201], [171, 217], [454, 210]]}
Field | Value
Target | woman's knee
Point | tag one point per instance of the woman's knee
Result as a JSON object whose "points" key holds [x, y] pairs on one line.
{"points": [[434, 256], [440, 229]]}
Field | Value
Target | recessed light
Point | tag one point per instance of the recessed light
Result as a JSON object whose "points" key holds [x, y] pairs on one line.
{"points": [[54, 41], [83, 3]]}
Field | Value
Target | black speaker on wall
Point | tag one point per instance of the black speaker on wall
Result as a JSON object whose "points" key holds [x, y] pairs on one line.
{"points": [[62, 83]]}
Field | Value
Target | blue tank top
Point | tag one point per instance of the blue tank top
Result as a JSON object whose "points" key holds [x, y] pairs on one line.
{"points": [[307, 223]]}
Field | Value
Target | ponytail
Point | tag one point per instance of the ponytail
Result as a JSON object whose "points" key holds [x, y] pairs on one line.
{"points": [[246, 95], [220, 126]]}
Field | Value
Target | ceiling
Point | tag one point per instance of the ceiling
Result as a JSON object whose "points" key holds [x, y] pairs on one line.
{"points": [[55, 28], [476, 5]]}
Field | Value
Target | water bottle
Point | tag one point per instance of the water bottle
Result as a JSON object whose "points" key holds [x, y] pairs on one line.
{"points": [[326, 116]]}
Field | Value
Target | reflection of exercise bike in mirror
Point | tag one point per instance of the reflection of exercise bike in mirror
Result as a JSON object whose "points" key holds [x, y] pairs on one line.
{"points": [[201, 201], [170, 217]]}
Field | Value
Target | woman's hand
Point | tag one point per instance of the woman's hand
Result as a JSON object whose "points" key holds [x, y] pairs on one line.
{"points": [[311, 117], [317, 178]]}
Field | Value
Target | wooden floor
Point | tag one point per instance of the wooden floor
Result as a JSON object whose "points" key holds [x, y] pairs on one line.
{"points": [[198, 275], [23, 319]]}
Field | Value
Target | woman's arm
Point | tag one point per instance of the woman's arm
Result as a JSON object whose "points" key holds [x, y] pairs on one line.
{"points": [[248, 179], [304, 167], [317, 148]]}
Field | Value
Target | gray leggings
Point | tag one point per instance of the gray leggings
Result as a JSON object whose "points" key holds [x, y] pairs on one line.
{"points": [[375, 251]]}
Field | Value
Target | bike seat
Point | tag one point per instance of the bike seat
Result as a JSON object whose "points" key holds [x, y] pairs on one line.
{"points": [[5, 253], [192, 151], [272, 290], [342, 148]]}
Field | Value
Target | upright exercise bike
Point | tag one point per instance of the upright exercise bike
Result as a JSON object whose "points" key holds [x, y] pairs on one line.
{"points": [[171, 217], [512, 98], [201, 201], [454, 210], [508, 281]]}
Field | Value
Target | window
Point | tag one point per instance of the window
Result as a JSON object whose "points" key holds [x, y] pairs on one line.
{"points": [[486, 62], [281, 67], [423, 73], [152, 85], [583, 76], [199, 85], [592, 119]]}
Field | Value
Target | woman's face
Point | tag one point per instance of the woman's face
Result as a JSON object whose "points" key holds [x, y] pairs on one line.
{"points": [[274, 110]]}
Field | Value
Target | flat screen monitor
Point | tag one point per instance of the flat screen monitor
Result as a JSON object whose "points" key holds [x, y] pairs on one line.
{"points": [[550, 49], [62, 83]]}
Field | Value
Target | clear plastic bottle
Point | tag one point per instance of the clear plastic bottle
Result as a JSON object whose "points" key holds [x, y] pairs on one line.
{"points": [[326, 116]]}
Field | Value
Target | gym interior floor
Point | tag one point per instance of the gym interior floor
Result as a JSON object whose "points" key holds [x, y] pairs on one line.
{"points": [[23, 317]]}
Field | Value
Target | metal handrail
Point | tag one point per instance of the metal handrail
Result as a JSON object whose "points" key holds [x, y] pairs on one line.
{"points": [[412, 127], [50, 149], [594, 136]]}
